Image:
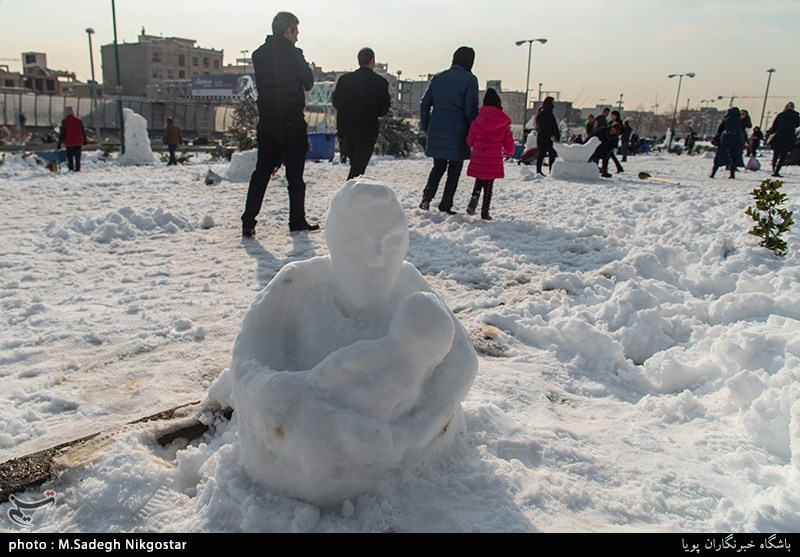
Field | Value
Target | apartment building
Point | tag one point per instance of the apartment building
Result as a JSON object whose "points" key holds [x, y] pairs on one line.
{"points": [[146, 64]]}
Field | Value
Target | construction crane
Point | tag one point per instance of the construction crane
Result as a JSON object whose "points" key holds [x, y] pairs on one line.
{"points": [[733, 97]]}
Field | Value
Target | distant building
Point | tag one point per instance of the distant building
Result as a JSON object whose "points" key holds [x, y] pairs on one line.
{"points": [[9, 79], [151, 61], [37, 77]]}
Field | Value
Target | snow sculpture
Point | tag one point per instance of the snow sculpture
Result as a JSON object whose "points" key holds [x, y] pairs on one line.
{"points": [[243, 163], [573, 161], [137, 142], [349, 366]]}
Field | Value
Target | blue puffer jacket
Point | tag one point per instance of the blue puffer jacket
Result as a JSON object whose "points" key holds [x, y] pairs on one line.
{"points": [[447, 109]]}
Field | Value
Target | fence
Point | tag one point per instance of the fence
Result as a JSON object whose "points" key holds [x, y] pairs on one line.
{"points": [[44, 112]]}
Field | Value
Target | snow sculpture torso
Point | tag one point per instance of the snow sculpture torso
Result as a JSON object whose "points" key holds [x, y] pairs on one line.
{"points": [[349, 366]]}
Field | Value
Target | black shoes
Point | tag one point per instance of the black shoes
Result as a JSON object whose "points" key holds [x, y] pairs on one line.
{"points": [[486, 216], [248, 232], [605, 175], [425, 205], [303, 226], [448, 211]]}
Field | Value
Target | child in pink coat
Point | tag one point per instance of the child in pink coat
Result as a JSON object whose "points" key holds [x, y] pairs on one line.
{"points": [[491, 141]]}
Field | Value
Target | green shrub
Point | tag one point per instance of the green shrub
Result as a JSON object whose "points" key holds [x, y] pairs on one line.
{"points": [[771, 220]]}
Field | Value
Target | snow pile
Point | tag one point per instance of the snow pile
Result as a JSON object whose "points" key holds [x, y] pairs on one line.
{"points": [[243, 163], [123, 224], [137, 141]]}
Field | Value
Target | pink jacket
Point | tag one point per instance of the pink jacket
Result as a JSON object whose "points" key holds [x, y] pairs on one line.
{"points": [[490, 138]]}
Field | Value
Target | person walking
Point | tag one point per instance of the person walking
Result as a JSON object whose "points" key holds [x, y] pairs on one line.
{"points": [[360, 99], [73, 136], [172, 137], [729, 151], [785, 136], [282, 78], [491, 141], [547, 132], [615, 132], [447, 109], [590, 123], [754, 142], [625, 139]]}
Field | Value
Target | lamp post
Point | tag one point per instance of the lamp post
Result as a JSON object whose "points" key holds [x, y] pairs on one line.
{"points": [[677, 97], [763, 108], [119, 81], [89, 33], [528, 78]]}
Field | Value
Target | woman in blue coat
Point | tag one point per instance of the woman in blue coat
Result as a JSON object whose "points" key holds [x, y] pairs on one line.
{"points": [[731, 143], [446, 112]]}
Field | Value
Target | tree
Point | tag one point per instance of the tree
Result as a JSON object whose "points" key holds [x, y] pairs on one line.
{"points": [[245, 116], [768, 198], [396, 138]]}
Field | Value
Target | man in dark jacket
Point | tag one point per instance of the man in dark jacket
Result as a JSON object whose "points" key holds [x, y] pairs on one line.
{"points": [[282, 78], [784, 127], [360, 98], [447, 109]]}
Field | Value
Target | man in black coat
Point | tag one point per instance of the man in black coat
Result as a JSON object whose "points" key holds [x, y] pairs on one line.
{"points": [[784, 129], [360, 98], [282, 78]]}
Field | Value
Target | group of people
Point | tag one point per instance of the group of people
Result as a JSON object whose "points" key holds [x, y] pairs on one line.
{"points": [[72, 135], [455, 127], [732, 139], [609, 129]]}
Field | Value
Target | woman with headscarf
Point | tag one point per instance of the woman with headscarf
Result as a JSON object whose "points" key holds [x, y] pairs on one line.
{"points": [[447, 109], [547, 132], [731, 142]]}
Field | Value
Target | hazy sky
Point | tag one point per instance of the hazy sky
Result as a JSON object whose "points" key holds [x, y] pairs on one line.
{"points": [[596, 49]]}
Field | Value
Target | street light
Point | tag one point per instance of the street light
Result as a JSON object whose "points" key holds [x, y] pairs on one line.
{"points": [[119, 82], [528, 78], [763, 108], [675, 112], [89, 33]]}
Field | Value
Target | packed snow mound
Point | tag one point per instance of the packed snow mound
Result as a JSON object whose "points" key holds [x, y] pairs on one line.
{"points": [[242, 165], [137, 141], [123, 224], [348, 367]]}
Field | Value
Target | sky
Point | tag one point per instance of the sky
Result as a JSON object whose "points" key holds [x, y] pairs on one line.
{"points": [[596, 51], [637, 351]]}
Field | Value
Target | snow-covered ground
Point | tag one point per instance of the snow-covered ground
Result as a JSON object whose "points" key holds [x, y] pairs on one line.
{"points": [[639, 352]]}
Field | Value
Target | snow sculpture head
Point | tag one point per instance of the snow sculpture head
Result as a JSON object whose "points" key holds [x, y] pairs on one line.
{"points": [[367, 236]]}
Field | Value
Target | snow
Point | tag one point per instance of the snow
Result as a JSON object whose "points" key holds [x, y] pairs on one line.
{"points": [[137, 140], [637, 353]]}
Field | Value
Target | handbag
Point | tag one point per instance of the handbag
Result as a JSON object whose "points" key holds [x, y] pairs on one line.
{"points": [[753, 164]]}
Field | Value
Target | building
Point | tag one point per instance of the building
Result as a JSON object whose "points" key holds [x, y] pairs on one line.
{"points": [[151, 61], [9, 79], [513, 101], [37, 77]]}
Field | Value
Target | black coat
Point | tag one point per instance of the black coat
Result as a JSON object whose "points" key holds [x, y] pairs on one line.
{"points": [[360, 98], [547, 125], [282, 78], [784, 127]]}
